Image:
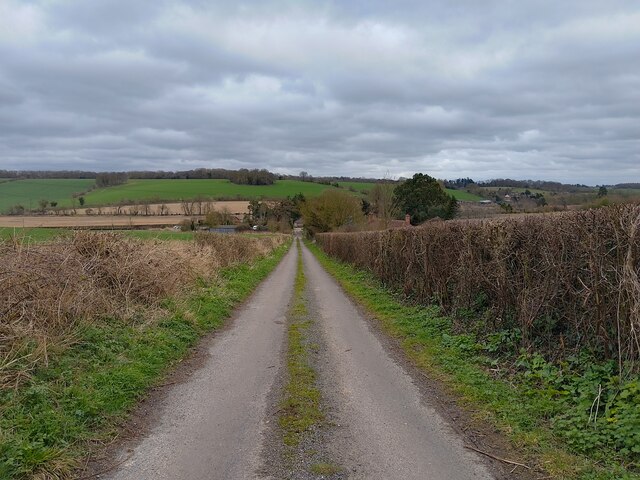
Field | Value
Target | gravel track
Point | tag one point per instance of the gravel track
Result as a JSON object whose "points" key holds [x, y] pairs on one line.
{"points": [[220, 423], [388, 431]]}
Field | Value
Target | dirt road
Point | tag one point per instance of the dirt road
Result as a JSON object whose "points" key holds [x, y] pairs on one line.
{"points": [[216, 424]]}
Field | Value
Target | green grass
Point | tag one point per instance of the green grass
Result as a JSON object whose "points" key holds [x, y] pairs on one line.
{"points": [[300, 408], [175, 190], [28, 192], [463, 195], [323, 468], [521, 414], [88, 388], [363, 187], [33, 235]]}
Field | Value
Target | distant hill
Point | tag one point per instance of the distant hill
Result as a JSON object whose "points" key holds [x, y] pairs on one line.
{"points": [[29, 192]]}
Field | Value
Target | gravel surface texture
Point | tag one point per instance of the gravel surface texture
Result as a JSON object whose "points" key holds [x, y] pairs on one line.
{"points": [[382, 419]]}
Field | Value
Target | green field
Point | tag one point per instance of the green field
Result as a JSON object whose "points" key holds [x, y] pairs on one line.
{"points": [[464, 195], [176, 190], [365, 187], [32, 235], [362, 187], [29, 192]]}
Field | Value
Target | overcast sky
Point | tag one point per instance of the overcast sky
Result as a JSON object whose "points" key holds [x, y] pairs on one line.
{"points": [[542, 89]]}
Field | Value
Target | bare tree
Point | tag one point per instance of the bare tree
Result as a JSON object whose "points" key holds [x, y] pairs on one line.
{"points": [[163, 209], [382, 201], [187, 207]]}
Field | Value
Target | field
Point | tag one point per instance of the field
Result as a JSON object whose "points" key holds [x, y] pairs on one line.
{"points": [[463, 195], [32, 235], [86, 221], [37, 235], [175, 190], [28, 192], [362, 187], [236, 207]]}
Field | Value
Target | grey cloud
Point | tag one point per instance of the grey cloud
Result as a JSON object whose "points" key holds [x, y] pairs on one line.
{"points": [[540, 89]]}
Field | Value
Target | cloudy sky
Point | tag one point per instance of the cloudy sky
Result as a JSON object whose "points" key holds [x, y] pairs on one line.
{"points": [[542, 89]]}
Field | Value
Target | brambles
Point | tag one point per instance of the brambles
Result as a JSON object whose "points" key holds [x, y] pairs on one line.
{"points": [[49, 289]]}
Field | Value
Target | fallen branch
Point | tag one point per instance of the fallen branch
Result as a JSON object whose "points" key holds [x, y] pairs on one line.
{"points": [[497, 458]]}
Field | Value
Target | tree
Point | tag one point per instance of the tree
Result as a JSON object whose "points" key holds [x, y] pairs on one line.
{"points": [[43, 205], [219, 217], [602, 192], [331, 210], [383, 203], [422, 198], [252, 177], [110, 179], [303, 175], [81, 200]]}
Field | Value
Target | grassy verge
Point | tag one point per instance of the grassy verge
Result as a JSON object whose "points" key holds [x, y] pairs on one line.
{"points": [[519, 412], [87, 389], [300, 408]]}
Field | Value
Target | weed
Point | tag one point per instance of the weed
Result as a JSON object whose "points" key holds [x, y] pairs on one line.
{"points": [[323, 468], [300, 408]]}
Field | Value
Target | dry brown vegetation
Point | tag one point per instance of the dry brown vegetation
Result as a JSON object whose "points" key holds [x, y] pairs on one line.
{"points": [[567, 280], [46, 290]]}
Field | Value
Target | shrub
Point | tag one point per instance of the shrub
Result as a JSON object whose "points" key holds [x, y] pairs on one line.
{"points": [[49, 289]]}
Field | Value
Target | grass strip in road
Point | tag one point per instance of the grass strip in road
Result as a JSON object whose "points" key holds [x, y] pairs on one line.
{"points": [[426, 338], [85, 392], [300, 408]]}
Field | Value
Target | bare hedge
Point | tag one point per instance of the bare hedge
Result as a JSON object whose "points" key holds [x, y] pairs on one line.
{"points": [[567, 281]]}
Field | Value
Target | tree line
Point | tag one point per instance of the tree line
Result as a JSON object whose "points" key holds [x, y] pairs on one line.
{"points": [[242, 176]]}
